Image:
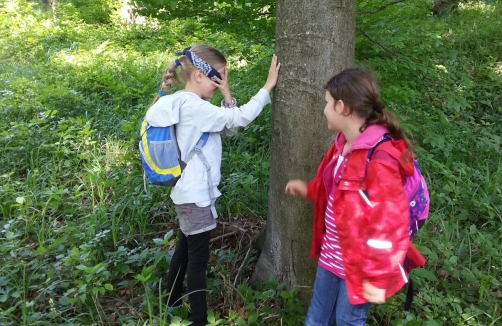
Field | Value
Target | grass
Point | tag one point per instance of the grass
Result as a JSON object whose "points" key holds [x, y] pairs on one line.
{"points": [[80, 241]]}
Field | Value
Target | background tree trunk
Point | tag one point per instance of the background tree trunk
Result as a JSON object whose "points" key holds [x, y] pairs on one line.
{"points": [[314, 40]]}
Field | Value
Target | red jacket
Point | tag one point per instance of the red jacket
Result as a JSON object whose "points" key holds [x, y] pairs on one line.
{"points": [[374, 240]]}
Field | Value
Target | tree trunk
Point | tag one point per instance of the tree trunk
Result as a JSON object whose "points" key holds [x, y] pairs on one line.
{"points": [[314, 40]]}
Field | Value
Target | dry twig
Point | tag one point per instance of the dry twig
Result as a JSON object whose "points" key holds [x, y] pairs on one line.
{"points": [[376, 42], [242, 264], [380, 8], [223, 236]]}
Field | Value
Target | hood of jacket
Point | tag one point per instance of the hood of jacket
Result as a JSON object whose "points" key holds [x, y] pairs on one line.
{"points": [[166, 111], [397, 149]]}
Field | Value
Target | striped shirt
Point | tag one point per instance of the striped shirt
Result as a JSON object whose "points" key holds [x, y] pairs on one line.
{"points": [[331, 252]]}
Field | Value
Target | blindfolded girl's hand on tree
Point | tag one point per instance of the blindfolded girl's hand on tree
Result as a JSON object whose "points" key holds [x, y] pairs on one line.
{"points": [[273, 74]]}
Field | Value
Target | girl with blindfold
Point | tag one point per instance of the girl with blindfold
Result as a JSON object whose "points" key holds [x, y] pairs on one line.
{"points": [[204, 70]]}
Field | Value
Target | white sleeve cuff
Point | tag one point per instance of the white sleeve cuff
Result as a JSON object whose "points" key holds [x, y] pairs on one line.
{"points": [[263, 96]]}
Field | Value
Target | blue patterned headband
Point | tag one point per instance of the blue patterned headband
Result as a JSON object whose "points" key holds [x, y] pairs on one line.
{"points": [[198, 63]]}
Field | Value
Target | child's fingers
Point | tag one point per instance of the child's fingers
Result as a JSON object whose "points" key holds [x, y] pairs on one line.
{"points": [[291, 190], [221, 80], [217, 81], [275, 65], [224, 73]]}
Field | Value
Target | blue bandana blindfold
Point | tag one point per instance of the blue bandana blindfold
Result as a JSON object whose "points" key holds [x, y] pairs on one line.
{"points": [[199, 64]]}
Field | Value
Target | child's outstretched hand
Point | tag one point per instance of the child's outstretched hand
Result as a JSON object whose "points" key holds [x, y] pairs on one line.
{"points": [[273, 74], [297, 188]]}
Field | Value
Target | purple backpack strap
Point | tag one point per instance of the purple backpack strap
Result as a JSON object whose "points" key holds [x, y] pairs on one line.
{"points": [[415, 189], [385, 138]]}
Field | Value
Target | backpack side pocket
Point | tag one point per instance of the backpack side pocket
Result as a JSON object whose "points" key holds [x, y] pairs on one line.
{"points": [[163, 154]]}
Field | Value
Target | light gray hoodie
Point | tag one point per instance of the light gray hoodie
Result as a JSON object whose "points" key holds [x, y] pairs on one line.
{"points": [[193, 116]]}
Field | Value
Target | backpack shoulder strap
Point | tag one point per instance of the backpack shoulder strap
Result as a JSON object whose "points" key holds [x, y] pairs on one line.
{"points": [[198, 147], [384, 139], [198, 150]]}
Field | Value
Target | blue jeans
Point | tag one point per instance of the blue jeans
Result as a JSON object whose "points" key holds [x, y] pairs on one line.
{"points": [[330, 303]]}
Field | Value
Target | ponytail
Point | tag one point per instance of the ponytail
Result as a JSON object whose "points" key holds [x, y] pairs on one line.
{"points": [[168, 79], [381, 116]]}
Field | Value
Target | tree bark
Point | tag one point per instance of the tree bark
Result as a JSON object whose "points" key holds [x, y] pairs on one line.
{"points": [[314, 40]]}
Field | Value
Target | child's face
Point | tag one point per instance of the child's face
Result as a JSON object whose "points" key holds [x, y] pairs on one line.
{"points": [[332, 111]]}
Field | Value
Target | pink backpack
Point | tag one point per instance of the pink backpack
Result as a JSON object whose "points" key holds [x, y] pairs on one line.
{"points": [[416, 192]]}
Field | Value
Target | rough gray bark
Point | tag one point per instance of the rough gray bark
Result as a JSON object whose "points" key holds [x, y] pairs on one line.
{"points": [[314, 40]]}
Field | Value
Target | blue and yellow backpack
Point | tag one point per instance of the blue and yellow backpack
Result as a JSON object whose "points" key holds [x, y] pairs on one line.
{"points": [[160, 154]]}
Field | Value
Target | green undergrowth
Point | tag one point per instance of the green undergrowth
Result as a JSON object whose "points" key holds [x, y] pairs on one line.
{"points": [[444, 81], [81, 242]]}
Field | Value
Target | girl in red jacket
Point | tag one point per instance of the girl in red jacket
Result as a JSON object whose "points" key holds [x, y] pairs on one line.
{"points": [[361, 212]]}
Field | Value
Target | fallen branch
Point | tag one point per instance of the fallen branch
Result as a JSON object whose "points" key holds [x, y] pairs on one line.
{"points": [[363, 33], [223, 236], [235, 227], [232, 225], [379, 9]]}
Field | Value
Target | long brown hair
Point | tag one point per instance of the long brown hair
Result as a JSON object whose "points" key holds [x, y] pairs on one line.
{"points": [[205, 52], [358, 89]]}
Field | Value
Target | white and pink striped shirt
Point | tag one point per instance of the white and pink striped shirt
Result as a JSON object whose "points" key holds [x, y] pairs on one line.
{"points": [[331, 252]]}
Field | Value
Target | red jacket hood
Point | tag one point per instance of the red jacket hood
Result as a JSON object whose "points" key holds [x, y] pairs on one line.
{"points": [[371, 136]]}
